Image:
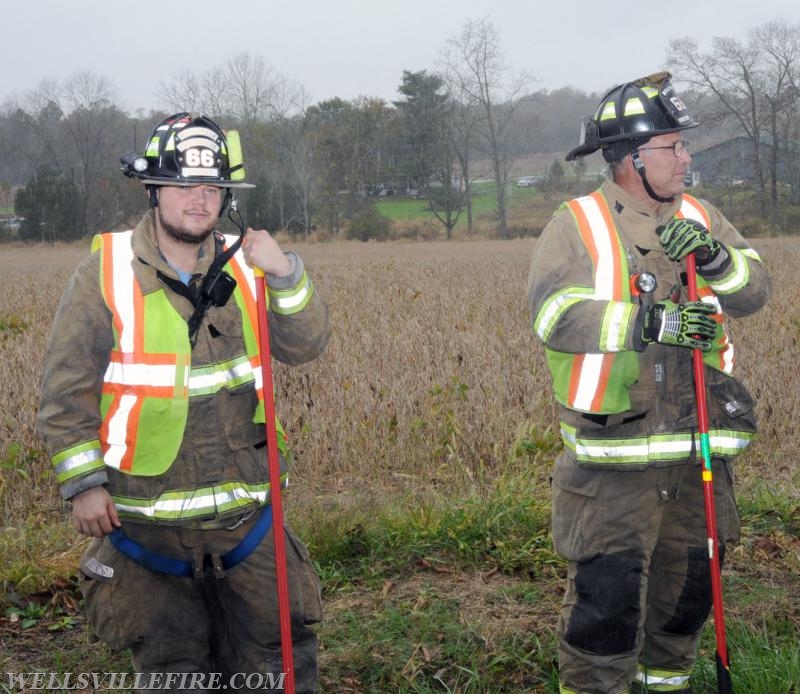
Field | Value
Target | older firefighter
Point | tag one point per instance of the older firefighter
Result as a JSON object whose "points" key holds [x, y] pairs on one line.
{"points": [[628, 511], [153, 413]]}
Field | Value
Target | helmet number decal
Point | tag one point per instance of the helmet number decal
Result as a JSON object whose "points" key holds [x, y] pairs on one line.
{"points": [[677, 103], [200, 157]]}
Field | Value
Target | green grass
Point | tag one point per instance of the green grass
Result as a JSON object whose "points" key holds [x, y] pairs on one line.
{"points": [[763, 659], [484, 203], [506, 529], [403, 208], [451, 590]]}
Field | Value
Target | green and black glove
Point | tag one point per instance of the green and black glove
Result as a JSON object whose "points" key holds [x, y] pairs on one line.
{"points": [[683, 236], [681, 325]]}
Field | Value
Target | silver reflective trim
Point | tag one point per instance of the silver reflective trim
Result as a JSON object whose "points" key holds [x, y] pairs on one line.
{"points": [[291, 301], [676, 681], [220, 378], [78, 460], [208, 502]]}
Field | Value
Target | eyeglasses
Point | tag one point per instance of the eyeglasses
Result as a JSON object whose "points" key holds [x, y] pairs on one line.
{"points": [[678, 148]]}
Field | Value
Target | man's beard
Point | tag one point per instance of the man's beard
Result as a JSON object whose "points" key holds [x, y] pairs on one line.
{"points": [[181, 234]]}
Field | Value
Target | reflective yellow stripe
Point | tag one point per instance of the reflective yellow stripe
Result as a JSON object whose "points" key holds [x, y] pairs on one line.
{"points": [[641, 450], [288, 301], [209, 379], [556, 306], [609, 111], [77, 460], [196, 503], [634, 106], [738, 276], [663, 680], [614, 329]]}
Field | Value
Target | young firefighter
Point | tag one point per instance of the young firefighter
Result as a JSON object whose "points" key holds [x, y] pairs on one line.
{"points": [[628, 509], [152, 411]]}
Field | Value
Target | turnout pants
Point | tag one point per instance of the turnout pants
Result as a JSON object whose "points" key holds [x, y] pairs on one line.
{"points": [[638, 585], [224, 622]]}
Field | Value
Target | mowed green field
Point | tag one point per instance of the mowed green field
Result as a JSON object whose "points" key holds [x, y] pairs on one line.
{"points": [[484, 202]]}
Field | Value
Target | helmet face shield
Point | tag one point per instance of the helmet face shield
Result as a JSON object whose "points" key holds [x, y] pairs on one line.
{"points": [[632, 113], [187, 150]]}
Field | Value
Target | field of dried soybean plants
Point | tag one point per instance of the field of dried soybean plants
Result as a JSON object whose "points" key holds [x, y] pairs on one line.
{"points": [[431, 396]]}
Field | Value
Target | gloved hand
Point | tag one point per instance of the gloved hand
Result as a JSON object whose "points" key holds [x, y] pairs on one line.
{"points": [[679, 325], [683, 236]]}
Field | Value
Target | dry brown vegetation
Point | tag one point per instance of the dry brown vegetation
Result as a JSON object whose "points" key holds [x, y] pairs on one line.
{"points": [[431, 377]]}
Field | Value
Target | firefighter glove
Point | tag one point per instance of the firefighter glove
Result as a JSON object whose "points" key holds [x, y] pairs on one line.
{"points": [[683, 236], [681, 325]]}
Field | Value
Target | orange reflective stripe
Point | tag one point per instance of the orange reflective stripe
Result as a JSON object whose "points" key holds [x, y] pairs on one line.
{"points": [[585, 229], [596, 228], [131, 438], [575, 377], [106, 423], [245, 283], [138, 318], [617, 293], [602, 384], [107, 259], [691, 208], [148, 359], [138, 390]]}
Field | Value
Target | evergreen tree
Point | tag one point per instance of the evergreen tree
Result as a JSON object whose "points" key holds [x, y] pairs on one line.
{"points": [[51, 206]]}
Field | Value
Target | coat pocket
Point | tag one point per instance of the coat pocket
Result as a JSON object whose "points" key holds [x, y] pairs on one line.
{"points": [[730, 405]]}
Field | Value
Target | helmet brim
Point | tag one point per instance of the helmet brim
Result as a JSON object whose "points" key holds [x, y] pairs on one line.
{"points": [[183, 182], [585, 149], [581, 151]]}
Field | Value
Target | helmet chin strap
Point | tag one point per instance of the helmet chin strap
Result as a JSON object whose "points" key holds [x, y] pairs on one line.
{"points": [[638, 164]]}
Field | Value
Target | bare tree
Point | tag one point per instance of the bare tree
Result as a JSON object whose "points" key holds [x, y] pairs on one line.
{"points": [[184, 92], [245, 90], [462, 131], [252, 88], [475, 67], [294, 140], [780, 44], [755, 82]]}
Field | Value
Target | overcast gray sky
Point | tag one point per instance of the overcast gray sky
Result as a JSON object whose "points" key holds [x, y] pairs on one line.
{"points": [[348, 48]]}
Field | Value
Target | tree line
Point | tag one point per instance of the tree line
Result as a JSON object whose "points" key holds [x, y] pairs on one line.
{"points": [[324, 163]]}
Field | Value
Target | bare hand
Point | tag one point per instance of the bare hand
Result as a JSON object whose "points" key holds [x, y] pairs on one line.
{"points": [[262, 251], [94, 513]]}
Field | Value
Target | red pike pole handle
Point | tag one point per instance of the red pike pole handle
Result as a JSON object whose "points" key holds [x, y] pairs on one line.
{"points": [[275, 483], [724, 684]]}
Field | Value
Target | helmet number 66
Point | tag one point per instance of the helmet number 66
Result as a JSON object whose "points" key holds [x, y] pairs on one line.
{"points": [[203, 158]]}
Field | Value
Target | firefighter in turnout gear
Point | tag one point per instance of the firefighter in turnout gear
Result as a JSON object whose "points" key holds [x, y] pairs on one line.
{"points": [[608, 299], [152, 411]]}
